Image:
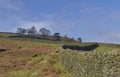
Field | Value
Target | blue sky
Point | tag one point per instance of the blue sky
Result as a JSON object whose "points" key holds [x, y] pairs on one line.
{"points": [[92, 20]]}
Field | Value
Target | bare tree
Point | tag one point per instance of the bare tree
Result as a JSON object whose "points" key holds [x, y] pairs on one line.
{"points": [[21, 31], [32, 30]]}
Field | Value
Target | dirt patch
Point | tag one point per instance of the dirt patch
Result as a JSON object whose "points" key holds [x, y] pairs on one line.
{"points": [[7, 64], [49, 72], [27, 56]]}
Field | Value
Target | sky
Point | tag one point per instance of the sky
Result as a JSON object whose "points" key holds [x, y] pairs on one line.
{"points": [[92, 20]]}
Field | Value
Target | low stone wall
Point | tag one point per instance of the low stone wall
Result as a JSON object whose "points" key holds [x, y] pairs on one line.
{"points": [[2, 50], [81, 48]]}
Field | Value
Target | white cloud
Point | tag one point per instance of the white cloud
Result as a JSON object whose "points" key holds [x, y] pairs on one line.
{"points": [[37, 24], [108, 36], [49, 24], [114, 36]]}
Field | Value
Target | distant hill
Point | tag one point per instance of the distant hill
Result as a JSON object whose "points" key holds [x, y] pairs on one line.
{"points": [[35, 37]]}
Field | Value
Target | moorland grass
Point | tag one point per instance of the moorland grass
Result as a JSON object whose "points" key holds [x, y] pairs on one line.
{"points": [[91, 64], [44, 59]]}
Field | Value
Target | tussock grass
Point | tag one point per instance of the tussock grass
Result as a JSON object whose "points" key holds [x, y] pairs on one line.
{"points": [[91, 64]]}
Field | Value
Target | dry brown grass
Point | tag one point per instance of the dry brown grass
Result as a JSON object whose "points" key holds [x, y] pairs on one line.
{"points": [[25, 55]]}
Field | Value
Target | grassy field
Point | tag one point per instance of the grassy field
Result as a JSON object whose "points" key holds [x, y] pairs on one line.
{"points": [[26, 57], [29, 58], [101, 62]]}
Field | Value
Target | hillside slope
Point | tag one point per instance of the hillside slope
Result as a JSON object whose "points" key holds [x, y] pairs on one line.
{"points": [[104, 61], [27, 57]]}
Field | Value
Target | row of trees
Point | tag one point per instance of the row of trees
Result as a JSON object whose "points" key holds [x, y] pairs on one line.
{"points": [[33, 31], [42, 31]]}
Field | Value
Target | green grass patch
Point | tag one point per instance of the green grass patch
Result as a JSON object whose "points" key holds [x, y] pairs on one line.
{"points": [[25, 73]]}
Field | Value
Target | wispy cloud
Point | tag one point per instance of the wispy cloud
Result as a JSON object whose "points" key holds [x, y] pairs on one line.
{"points": [[108, 36], [11, 13], [11, 4], [114, 37], [54, 25], [37, 24]]}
